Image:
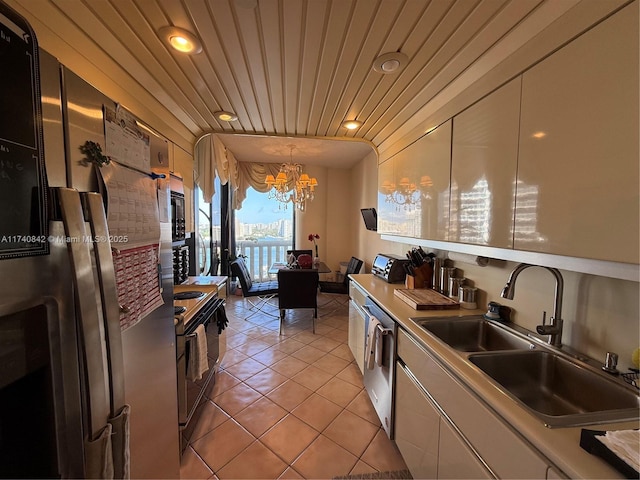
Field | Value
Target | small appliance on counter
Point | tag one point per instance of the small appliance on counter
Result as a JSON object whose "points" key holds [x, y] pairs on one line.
{"points": [[389, 267]]}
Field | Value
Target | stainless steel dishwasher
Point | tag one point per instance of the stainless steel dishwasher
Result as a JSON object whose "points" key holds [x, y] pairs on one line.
{"points": [[380, 352]]}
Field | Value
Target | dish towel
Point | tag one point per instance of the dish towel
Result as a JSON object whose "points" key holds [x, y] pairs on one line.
{"points": [[98, 455], [198, 363], [120, 443], [625, 444], [370, 346], [379, 345]]}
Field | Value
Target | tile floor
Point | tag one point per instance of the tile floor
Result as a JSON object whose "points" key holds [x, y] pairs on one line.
{"points": [[290, 406]]}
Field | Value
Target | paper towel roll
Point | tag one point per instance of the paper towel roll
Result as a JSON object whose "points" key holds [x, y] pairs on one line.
{"points": [[466, 258]]}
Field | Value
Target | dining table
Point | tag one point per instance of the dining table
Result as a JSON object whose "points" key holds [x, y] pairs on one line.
{"points": [[321, 267]]}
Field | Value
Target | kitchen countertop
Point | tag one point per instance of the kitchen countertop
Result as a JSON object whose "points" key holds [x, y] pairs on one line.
{"points": [[560, 445], [206, 281], [209, 285]]}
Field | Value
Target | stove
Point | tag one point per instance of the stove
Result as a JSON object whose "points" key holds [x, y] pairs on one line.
{"points": [[195, 305], [189, 299], [188, 295]]}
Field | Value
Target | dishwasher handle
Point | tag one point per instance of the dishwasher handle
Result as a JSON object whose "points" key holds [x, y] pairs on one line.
{"points": [[384, 331]]}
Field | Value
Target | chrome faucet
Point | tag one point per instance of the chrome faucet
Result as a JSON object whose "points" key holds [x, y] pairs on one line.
{"points": [[554, 328]]}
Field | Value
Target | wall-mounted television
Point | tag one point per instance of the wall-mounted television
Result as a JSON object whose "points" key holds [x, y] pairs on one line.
{"points": [[370, 218]]}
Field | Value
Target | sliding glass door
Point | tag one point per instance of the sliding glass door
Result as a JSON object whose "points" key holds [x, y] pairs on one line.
{"points": [[264, 231]]}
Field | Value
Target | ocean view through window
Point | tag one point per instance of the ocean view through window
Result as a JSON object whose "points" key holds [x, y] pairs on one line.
{"points": [[264, 232]]}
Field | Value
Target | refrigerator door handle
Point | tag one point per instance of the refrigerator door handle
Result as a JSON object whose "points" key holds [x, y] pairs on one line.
{"points": [[89, 321], [120, 412], [108, 295]]}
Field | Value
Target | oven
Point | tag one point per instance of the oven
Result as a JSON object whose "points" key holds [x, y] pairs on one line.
{"points": [[379, 362], [192, 309]]}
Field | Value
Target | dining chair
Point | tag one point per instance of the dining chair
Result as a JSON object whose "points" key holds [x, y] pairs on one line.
{"points": [[297, 289], [354, 266], [263, 291], [339, 289]]}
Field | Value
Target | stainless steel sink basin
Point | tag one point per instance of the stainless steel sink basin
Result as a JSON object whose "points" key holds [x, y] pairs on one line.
{"points": [[557, 390], [474, 334]]}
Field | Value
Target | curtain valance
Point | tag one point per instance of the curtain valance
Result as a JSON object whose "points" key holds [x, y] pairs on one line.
{"points": [[212, 158]]}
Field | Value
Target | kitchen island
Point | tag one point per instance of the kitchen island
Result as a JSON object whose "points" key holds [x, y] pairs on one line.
{"points": [[552, 452]]}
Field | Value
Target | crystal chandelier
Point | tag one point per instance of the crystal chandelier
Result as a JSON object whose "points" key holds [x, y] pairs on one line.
{"points": [[291, 184]]}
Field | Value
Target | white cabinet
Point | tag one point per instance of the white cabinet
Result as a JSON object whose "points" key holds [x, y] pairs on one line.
{"points": [[388, 218], [413, 188], [356, 324], [578, 168], [456, 459], [483, 169], [484, 439], [416, 427]]}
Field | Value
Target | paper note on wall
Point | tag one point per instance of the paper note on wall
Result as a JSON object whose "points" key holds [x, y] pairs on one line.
{"points": [[125, 141], [137, 281], [132, 206]]}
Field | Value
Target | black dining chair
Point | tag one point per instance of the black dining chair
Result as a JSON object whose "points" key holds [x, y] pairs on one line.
{"points": [[297, 288], [338, 290], [354, 266], [263, 291]]}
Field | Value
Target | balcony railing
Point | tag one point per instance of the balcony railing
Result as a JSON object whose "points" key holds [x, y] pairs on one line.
{"points": [[261, 255]]}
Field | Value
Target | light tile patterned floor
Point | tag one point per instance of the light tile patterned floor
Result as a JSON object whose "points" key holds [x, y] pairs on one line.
{"points": [[290, 406]]}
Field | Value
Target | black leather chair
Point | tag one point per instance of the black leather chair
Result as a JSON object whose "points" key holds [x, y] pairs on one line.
{"points": [[354, 266], [339, 290], [297, 288], [264, 291]]}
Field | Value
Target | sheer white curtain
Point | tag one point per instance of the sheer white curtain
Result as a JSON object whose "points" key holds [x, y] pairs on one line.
{"points": [[212, 158]]}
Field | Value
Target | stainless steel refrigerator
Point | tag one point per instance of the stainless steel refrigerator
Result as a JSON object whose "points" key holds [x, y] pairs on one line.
{"points": [[68, 365]]}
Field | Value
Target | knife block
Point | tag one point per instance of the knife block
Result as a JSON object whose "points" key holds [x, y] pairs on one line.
{"points": [[422, 277]]}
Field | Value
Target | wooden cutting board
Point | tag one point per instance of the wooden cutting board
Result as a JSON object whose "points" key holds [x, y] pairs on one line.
{"points": [[425, 299]]}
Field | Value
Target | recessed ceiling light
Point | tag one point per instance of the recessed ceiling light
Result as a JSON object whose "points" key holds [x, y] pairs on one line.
{"points": [[181, 40], [226, 116], [391, 62], [352, 124]]}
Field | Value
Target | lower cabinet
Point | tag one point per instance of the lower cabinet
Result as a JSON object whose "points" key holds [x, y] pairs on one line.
{"points": [[430, 446], [417, 427], [443, 430], [356, 324], [456, 459]]}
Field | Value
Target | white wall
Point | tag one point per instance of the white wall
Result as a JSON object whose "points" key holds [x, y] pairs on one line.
{"points": [[328, 216]]}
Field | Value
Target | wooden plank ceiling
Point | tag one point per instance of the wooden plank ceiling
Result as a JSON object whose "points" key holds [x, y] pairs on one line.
{"points": [[285, 67]]}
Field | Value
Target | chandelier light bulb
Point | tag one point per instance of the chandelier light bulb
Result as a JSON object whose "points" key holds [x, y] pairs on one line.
{"points": [[291, 185]]}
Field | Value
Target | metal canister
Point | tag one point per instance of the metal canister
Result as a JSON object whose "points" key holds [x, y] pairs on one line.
{"points": [[454, 286], [445, 274], [467, 297], [437, 265]]}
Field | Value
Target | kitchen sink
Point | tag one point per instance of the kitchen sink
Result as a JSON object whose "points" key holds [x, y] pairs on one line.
{"points": [[474, 334], [557, 390]]}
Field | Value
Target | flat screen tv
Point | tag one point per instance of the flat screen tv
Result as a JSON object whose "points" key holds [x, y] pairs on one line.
{"points": [[370, 218]]}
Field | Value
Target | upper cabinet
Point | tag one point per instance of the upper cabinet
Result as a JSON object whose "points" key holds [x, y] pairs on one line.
{"points": [[413, 188], [577, 192], [547, 163], [387, 212], [483, 169]]}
